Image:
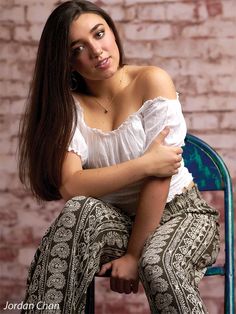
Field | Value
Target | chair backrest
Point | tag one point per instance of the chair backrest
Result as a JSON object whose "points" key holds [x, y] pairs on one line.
{"points": [[211, 174]]}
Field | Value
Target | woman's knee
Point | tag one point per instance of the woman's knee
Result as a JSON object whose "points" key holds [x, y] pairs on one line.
{"points": [[156, 257], [78, 204]]}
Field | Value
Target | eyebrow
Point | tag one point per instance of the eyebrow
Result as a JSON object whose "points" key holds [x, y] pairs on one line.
{"points": [[91, 31]]}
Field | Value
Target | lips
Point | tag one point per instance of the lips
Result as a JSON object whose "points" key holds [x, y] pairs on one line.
{"points": [[103, 63]]}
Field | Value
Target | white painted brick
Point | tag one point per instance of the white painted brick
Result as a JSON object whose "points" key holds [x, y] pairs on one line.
{"points": [[171, 65], [14, 126], [17, 106], [229, 9], [38, 13], [110, 2], [13, 51], [218, 48], [14, 14], [5, 146], [224, 83], [130, 2], [208, 103], [151, 12], [196, 66], [8, 164], [200, 121], [5, 32], [5, 107], [16, 70], [7, 3], [229, 159], [116, 12], [210, 49], [138, 50], [203, 84], [14, 270], [210, 29], [228, 120], [202, 13], [33, 2], [180, 12], [13, 88], [220, 140], [28, 33], [14, 145], [147, 31], [119, 13], [5, 181], [184, 48]]}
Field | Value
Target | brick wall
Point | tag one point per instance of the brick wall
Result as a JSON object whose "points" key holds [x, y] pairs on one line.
{"points": [[194, 40]]}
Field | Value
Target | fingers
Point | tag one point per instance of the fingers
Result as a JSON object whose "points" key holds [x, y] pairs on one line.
{"points": [[179, 150], [162, 135], [123, 286], [104, 269], [134, 286]]}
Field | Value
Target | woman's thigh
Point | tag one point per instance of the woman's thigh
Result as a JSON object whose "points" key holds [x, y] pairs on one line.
{"points": [[87, 233], [175, 258]]}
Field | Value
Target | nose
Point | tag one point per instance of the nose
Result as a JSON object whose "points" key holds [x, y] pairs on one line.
{"points": [[95, 50]]}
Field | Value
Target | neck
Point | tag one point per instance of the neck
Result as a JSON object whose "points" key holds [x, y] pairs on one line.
{"points": [[108, 87]]}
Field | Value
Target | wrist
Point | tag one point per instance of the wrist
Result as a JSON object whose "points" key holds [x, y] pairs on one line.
{"points": [[132, 255], [144, 166]]}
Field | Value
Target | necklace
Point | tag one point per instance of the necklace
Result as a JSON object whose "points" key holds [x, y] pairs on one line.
{"points": [[105, 109]]}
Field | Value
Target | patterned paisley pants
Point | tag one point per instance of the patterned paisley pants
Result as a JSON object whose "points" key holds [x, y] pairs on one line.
{"points": [[89, 232]]}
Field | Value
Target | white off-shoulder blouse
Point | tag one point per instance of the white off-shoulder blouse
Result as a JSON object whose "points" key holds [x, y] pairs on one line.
{"points": [[130, 140]]}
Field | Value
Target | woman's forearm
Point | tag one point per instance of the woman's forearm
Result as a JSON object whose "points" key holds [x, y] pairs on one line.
{"points": [[158, 161], [100, 181], [148, 215]]}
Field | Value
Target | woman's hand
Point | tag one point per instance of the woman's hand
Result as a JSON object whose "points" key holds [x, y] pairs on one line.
{"points": [[162, 160], [124, 274]]}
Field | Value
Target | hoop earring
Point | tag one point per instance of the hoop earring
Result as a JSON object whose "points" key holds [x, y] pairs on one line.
{"points": [[73, 82]]}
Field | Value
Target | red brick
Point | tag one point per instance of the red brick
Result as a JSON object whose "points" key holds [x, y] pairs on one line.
{"points": [[8, 254], [214, 7]]}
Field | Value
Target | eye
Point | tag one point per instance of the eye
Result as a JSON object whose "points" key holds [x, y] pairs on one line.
{"points": [[78, 50], [100, 34]]}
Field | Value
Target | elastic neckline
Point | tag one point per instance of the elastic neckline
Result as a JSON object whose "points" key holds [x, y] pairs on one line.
{"points": [[126, 121]]}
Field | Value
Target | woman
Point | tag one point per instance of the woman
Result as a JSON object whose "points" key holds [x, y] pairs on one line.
{"points": [[94, 134]]}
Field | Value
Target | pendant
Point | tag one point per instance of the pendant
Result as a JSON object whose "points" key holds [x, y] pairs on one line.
{"points": [[105, 111]]}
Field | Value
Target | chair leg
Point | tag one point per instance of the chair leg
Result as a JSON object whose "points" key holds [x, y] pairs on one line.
{"points": [[229, 294], [89, 308]]}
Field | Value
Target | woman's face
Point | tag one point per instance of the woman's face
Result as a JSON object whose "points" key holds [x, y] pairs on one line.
{"points": [[94, 51]]}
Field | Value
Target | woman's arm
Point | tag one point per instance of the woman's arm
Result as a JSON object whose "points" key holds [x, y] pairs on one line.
{"points": [[148, 214], [124, 270], [158, 160]]}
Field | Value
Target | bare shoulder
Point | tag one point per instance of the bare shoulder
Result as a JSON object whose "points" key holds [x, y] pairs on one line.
{"points": [[153, 82]]}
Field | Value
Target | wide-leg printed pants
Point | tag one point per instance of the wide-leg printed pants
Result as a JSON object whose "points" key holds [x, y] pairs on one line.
{"points": [[89, 232]]}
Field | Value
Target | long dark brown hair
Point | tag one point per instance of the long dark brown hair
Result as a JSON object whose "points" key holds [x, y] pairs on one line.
{"points": [[50, 117]]}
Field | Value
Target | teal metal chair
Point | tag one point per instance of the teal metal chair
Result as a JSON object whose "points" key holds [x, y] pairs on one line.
{"points": [[211, 174]]}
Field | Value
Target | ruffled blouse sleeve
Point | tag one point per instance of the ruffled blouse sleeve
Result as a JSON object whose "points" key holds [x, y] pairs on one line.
{"points": [[158, 114], [78, 145]]}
